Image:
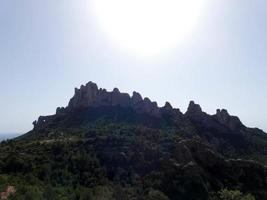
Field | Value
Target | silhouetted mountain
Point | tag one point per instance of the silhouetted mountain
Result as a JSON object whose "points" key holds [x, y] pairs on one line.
{"points": [[131, 148], [89, 104]]}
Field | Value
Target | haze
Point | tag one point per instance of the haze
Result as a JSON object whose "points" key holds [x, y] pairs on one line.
{"points": [[49, 47]]}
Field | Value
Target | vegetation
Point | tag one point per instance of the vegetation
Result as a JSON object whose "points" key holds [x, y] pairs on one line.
{"points": [[231, 195], [102, 163]]}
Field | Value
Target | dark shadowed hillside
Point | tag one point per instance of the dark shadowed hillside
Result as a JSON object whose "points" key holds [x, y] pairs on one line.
{"points": [[110, 145]]}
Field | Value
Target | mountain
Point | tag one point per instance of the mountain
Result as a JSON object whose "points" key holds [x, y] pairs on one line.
{"points": [[110, 145], [90, 104]]}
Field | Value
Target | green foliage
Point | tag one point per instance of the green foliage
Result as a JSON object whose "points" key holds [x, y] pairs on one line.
{"points": [[232, 195], [27, 193], [110, 161]]}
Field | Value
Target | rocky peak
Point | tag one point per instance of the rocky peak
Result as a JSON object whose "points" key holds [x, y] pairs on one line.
{"points": [[226, 119], [116, 90], [91, 85], [223, 113], [60, 110], [167, 107], [136, 98], [90, 96], [193, 109]]}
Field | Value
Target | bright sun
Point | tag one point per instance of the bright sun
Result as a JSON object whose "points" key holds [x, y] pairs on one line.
{"points": [[147, 27]]}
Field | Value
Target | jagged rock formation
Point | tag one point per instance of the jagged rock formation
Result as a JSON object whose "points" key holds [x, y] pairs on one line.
{"points": [[231, 122], [90, 96], [225, 132], [194, 109]]}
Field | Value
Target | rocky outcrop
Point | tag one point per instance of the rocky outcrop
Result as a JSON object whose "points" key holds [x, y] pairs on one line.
{"points": [[136, 98], [90, 96], [232, 122], [221, 120], [168, 107], [196, 115], [194, 109]]}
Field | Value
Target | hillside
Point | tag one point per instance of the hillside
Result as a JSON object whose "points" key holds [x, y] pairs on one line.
{"points": [[110, 145]]}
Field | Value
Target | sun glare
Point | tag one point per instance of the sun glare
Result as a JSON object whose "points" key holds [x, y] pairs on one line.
{"points": [[147, 27]]}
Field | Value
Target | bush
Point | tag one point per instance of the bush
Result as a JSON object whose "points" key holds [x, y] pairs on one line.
{"points": [[156, 195], [231, 195]]}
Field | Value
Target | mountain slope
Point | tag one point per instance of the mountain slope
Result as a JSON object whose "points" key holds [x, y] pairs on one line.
{"points": [[108, 145]]}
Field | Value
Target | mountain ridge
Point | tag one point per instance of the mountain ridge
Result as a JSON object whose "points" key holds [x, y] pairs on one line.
{"points": [[226, 133], [124, 143], [90, 95]]}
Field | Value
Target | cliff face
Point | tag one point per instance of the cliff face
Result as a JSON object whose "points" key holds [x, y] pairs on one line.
{"points": [[90, 96]]}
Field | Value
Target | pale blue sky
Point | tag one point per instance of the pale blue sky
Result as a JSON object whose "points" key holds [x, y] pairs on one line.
{"points": [[49, 47]]}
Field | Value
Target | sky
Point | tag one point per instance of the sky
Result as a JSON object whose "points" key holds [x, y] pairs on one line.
{"points": [[47, 48]]}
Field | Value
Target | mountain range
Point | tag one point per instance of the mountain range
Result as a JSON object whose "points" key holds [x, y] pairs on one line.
{"points": [[110, 145]]}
